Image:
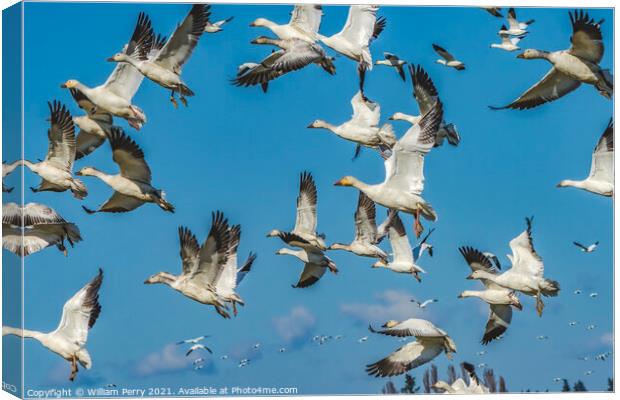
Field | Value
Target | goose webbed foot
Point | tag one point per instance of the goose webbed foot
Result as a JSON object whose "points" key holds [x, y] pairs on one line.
{"points": [[183, 100], [416, 275], [174, 102], [34, 190], [417, 226], [539, 305], [234, 307], [74, 368]]}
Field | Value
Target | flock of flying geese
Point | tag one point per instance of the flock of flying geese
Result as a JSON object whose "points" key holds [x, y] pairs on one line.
{"points": [[211, 272]]}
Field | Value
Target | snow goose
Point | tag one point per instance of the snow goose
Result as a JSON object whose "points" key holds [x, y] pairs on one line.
{"points": [[362, 128], [404, 171], [28, 229], [201, 265], [426, 94], [7, 168], [509, 43], [164, 67], [94, 126], [430, 342], [114, 96], [494, 11], [448, 59], [361, 28], [294, 54], [586, 249], [570, 68], [402, 259], [132, 186], [304, 23], [304, 233], [392, 60], [425, 303], [601, 178], [217, 26], [193, 340], [231, 275], [56, 171], [315, 264], [364, 243], [197, 347], [497, 297], [423, 246], [526, 273], [515, 28], [460, 387], [79, 315]]}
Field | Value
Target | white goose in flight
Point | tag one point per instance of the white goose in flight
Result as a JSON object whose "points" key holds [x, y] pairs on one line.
{"points": [[7, 168], [360, 29], [497, 297], [294, 54], [29, 229], [363, 127], [164, 67], [601, 178], [460, 387], [448, 59], [315, 264], [201, 265], [392, 60], [197, 346], [402, 259], [114, 96], [404, 171], [509, 43], [364, 243], [94, 127], [304, 23], [132, 186], [430, 342], [526, 274], [304, 233], [79, 314], [426, 94], [587, 249], [56, 171], [232, 275], [193, 340], [217, 26], [570, 68], [515, 28]]}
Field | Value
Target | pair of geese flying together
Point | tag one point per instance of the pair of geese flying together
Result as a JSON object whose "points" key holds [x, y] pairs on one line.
{"points": [[210, 273]]}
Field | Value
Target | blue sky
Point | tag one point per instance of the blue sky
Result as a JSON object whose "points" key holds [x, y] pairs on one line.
{"points": [[241, 151]]}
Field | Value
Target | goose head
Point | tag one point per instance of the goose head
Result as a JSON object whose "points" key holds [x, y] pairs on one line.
{"points": [[160, 277], [318, 123], [532, 53], [514, 301], [118, 57], [346, 181], [87, 171], [379, 264], [390, 324], [263, 40], [71, 83], [261, 22], [478, 274]]}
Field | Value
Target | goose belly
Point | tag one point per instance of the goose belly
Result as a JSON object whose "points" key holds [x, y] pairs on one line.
{"points": [[63, 348], [364, 249], [162, 76], [397, 199], [575, 68], [402, 268], [196, 293], [112, 103], [54, 175], [498, 297], [600, 187], [522, 283], [89, 125], [131, 188], [365, 135]]}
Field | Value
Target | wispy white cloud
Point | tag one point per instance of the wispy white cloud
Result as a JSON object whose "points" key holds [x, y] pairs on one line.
{"points": [[296, 325], [171, 358], [607, 338], [389, 304]]}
